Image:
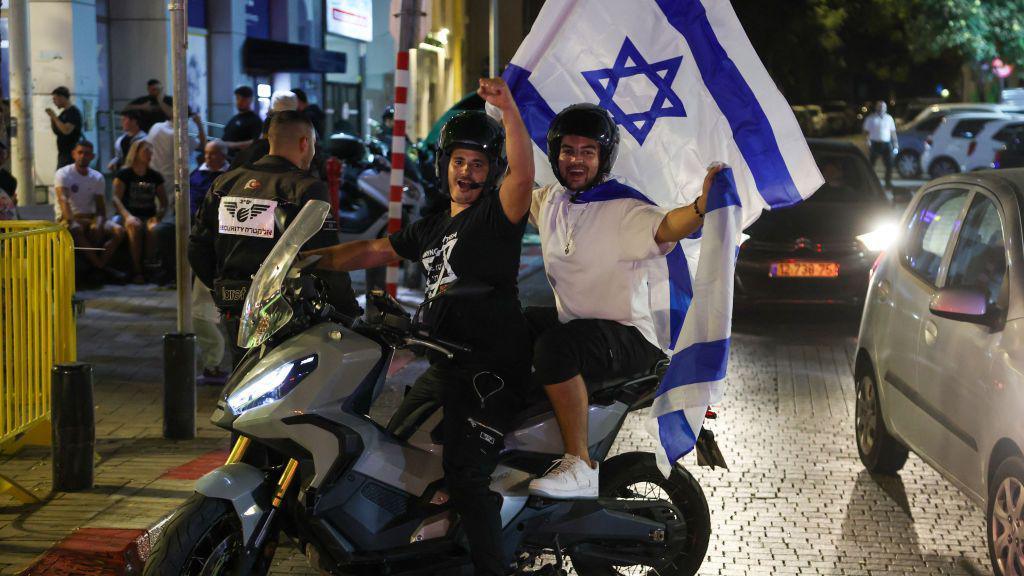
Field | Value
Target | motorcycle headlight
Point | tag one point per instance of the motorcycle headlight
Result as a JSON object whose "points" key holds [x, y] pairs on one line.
{"points": [[271, 385], [880, 238]]}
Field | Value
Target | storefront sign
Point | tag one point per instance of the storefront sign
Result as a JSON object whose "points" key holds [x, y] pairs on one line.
{"points": [[351, 18]]}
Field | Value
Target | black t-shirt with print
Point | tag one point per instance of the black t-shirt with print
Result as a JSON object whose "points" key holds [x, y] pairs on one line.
{"points": [[140, 191], [479, 244]]}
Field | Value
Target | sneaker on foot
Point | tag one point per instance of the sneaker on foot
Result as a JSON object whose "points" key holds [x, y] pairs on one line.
{"points": [[569, 478], [212, 377]]}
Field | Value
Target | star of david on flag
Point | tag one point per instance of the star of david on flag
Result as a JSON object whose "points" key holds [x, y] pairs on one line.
{"points": [[686, 87], [628, 63]]}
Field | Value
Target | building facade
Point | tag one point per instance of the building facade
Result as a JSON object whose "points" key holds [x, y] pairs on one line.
{"points": [[339, 51]]}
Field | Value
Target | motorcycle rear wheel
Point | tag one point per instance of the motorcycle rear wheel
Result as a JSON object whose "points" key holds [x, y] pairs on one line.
{"points": [[636, 475], [204, 538]]}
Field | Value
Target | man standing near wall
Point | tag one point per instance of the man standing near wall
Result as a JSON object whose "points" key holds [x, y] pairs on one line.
{"points": [[154, 106], [245, 126], [67, 125]]}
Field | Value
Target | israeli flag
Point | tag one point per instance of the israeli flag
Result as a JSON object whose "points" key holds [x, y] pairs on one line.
{"points": [[687, 89]]}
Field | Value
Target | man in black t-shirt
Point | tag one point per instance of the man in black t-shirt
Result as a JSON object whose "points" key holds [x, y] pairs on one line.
{"points": [[154, 106], [8, 183], [315, 114], [245, 126], [478, 239], [67, 126]]}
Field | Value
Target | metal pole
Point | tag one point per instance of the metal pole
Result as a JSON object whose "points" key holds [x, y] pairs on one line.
{"points": [[182, 220], [408, 37], [493, 36], [180, 348], [21, 101]]}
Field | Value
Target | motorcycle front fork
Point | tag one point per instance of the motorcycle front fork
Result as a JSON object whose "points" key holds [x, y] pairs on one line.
{"points": [[260, 548]]}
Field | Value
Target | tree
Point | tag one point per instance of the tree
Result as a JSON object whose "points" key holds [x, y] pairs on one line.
{"points": [[977, 30]]}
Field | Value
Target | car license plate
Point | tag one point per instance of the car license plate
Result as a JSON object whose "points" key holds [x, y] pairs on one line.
{"points": [[804, 270]]}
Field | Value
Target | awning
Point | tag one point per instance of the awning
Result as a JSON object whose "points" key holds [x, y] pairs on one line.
{"points": [[272, 56]]}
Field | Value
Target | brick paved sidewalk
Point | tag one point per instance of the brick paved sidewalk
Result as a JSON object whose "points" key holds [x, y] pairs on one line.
{"points": [[120, 335]]}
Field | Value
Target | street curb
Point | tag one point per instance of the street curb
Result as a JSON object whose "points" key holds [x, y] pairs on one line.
{"points": [[124, 552], [96, 552]]}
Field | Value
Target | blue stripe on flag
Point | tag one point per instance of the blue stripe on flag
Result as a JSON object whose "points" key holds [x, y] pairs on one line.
{"points": [[680, 291], [680, 288], [676, 435], [723, 192], [750, 127], [537, 115], [700, 362]]}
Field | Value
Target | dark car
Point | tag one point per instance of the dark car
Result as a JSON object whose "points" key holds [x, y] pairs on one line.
{"points": [[1012, 155], [821, 250]]}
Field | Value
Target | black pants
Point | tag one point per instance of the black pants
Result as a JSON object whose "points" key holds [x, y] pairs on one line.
{"points": [[478, 407], [231, 324], [883, 150], [595, 349]]}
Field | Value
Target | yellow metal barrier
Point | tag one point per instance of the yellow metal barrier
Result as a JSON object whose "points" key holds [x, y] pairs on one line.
{"points": [[37, 326]]}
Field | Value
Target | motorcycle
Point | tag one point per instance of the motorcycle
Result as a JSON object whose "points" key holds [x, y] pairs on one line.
{"points": [[311, 465], [366, 188]]}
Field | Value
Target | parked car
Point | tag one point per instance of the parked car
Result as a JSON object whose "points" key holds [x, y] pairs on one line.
{"points": [[840, 118], [939, 368], [1011, 155], [994, 137], [821, 250], [949, 147], [913, 135], [818, 120]]}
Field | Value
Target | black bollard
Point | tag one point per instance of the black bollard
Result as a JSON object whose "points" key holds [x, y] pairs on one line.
{"points": [[73, 426], [179, 386]]}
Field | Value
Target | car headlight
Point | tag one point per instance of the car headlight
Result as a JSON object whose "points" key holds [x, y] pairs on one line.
{"points": [[271, 385], [880, 238]]}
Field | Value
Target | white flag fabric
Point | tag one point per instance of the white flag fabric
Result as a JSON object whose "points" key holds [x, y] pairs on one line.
{"points": [[687, 89]]}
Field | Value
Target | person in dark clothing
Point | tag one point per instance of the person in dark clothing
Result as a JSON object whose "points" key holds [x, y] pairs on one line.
{"points": [[215, 163], [315, 114], [8, 183], [245, 126], [479, 239], [8, 188], [133, 132], [67, 126], [154, 106], [226, 261], [140, 201]]}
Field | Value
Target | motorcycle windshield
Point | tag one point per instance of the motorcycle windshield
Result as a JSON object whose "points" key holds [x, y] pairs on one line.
{"points": [[266, 311]]}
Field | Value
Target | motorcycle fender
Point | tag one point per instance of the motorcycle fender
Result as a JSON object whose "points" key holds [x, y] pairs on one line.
{"points": [[242, 485]]}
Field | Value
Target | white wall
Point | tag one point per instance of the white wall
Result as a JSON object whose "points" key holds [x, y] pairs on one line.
{"points": [[63, 47]]}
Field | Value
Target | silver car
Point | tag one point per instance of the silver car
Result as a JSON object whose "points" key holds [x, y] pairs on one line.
{"points": [[940, 356]]}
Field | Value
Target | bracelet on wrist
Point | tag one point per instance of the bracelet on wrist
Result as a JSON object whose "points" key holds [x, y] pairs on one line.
{"points": [[697, 211]]}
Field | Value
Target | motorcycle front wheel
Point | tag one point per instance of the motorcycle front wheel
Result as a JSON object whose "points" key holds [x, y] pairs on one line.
{"points": [[204, 537], [635, 475]]}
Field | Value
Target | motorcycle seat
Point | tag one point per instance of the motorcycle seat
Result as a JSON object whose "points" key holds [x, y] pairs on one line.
{"points": [[600, 390]]}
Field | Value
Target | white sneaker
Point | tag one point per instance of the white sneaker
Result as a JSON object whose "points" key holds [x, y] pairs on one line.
{"points": [[569, 478]]}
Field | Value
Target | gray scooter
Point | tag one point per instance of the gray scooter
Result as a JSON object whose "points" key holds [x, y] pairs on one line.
{"points": [[310, 464]]}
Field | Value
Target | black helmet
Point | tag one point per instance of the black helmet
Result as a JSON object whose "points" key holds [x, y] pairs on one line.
{"points": [[590, 121], [389, 113], [474, 130]]}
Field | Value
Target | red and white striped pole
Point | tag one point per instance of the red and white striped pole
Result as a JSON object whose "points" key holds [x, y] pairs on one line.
{"points": [[398, 157], [407, 37]]}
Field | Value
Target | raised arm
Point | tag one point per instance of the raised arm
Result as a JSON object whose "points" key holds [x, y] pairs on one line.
{"points": [[683, 221], [358, 255], [517, 189]]}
